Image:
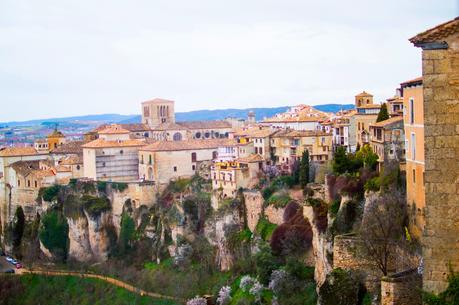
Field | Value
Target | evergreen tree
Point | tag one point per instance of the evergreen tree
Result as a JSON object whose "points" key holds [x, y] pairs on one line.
{"points": [[127, 233], [383, 114], [341, 161], [304, 169], [18, 226]]}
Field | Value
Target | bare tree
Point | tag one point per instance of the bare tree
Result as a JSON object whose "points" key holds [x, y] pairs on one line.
{"points": [[383, 228]]}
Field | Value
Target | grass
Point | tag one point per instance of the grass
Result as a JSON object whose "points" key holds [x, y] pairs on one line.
{"points": [[279, 200], [57, 290], [265, 228]]}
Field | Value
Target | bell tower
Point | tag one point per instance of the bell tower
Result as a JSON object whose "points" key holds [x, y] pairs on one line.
{"points": [[157, 112]]}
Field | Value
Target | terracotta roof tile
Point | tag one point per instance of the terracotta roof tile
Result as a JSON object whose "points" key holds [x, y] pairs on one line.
{"points": [[300, 133], [370, 106], [18, 151], [364, 93], [74, 147], [395, 119], [255, 132], [250, 158], [204, 124], [72, 160], [101, 143], [113, 129], [187, 145], [437, 33], [417, 80]]}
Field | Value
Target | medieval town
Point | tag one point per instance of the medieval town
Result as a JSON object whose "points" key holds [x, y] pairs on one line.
{"points": [[358, 206]]}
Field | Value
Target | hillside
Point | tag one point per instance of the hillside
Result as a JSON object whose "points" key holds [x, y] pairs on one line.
{"points": [[197, 115], [35, 289]]}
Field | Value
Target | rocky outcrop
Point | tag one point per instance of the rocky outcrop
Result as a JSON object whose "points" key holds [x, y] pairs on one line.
{"points": [[99, 239], [254, 206], [79, 247]]}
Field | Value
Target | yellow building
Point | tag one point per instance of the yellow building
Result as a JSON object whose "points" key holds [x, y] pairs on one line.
{"points": [[367, 113], [413, 119], [287, 147], [260, 137], [55, 139]]}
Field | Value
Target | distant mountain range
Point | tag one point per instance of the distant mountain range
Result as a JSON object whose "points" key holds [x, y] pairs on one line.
{"points": [[197, 115]]}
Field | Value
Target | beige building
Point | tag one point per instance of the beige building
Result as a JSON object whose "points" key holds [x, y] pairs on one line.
{"points": [[440, 66], [229, 176], [395, 105], [166, 160], [387, 140], [261, 139], [344, 130], [158, 111], [367, 113], [113, 156], [287, 147], [301, 117]]}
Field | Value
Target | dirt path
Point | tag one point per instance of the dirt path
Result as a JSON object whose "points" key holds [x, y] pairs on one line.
{"points": [[107, 279]]}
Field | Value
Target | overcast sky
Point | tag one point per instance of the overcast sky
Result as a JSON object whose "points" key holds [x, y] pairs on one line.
{"points": [[62, 58]]}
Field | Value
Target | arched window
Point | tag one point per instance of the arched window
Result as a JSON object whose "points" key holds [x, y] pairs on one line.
{"points": [[198, 135], [216, 134], [207, 135], [78, 167], [177, 136], [193, 157], [121, 152]]}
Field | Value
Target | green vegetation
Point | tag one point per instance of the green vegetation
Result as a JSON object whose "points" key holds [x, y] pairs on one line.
{"points": [[265, 228], [57, 290], [95, 205], [373, 184], [120, 186], [448, 297], [53, 233], [383, 113], [304, 169], [49, 193], [127, 233], [18, 227], [341, 287], [279, 200], [334, 207]]}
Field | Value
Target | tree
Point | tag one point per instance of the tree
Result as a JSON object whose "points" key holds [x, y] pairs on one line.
{"points": [[18, 226], [367, 157], [340, 161], [53, 233], [127, 232], [304, 169], [383, 227], [383, 113]]}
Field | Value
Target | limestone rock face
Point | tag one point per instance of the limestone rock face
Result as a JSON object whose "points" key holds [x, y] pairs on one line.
{"points": [[79, 247], [99, 240], [215, 231]]}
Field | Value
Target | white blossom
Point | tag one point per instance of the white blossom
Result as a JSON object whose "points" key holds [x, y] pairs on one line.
{"points": [[197, 301], [224, 295]]}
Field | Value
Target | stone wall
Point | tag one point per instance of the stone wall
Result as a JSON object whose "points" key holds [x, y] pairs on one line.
{"points": [[402, 288], [254, 205], [441, 126]]}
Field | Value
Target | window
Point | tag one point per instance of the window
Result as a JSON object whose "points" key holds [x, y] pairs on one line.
{"points": [[121, 152], [411, 110], [78, 167], [198, 135], [193, 167], [28, 183], [149, 160], [413, 146], [363, 126], [175, 168], [19, 182], [414, 175], [256, 150], [214, 155], [260, 151], [207, 135], [141, 159], [103, 164], [193, 157], [358, 124], [36, 184]]}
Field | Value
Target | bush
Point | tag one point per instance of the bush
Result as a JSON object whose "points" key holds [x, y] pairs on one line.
{"points": [[265, 263], [120, 186], [127, 232], [334, 207], [265, 228], [373, 184], [95, 205], [267, 192], [279, 200], [53, 233], [447, 297], [340, 288], [101, 186], [283, 181], [49, 193]]}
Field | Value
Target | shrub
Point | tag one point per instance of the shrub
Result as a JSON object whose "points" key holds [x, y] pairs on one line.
{"points": [[447, 297], [183, 255], [246, 283], [265, 263], [373, 184], [120, 186], [334, 207], [265, 228], [283, 181], [279, 200], [299, 270], [340, 288], [49, 193], [127, 232], [102, 186], [267, 192], [95, 205], [18, 226]]}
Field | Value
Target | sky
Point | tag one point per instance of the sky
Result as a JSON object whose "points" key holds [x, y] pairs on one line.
{"points": [[65, 58]]}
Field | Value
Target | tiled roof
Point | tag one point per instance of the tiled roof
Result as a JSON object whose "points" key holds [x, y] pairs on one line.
{"points": [[250, 158], [18, 151], [255, 133], [135, 127], [157, 100], [437, 33], [72, 160], [364, 93], [415, 81], [395, 119], [25, 167], [62, 168], [370, 106], [204, 124], [170, 126], [101, 143], [300, 133], [299, 113], [187, 145], [114, 129], [74, 147]]}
